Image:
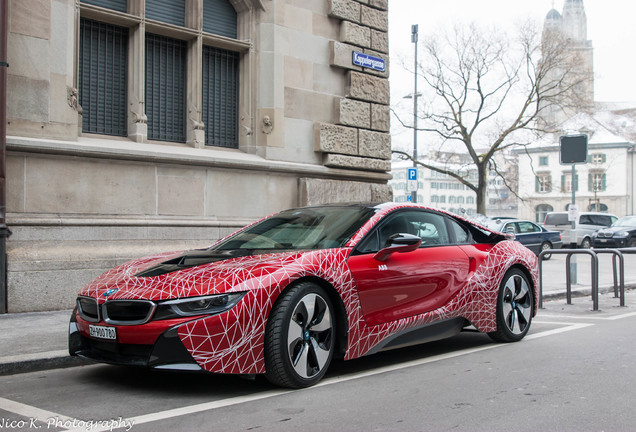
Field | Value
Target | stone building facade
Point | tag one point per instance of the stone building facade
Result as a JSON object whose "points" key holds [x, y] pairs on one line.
{"points": [[141, 126], [604, 183]]}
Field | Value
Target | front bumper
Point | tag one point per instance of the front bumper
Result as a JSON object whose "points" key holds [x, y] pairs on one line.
{"points": [[165, 351], [610, 242], [230, 342]]}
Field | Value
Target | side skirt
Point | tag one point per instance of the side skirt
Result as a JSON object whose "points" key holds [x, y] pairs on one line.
{"points": [[427, 333]]}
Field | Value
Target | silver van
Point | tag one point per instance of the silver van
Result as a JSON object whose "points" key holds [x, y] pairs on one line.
{"points": [[586, 224]]}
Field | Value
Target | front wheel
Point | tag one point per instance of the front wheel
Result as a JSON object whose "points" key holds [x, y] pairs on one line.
{"points": [[300, 337], [515, 304], [586, 243]]}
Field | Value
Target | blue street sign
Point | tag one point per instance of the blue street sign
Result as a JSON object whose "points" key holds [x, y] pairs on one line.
{"points": [[368, 61], [408, 198], [412, 174]]}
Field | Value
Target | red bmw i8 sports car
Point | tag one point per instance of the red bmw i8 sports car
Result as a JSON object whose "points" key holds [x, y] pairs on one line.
{"points": [[284, 296]]}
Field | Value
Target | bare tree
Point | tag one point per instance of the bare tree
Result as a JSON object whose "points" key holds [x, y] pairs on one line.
{"points": [[487, 91]]}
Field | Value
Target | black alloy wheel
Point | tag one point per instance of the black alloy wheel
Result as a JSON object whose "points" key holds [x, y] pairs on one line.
{"points": [[300, 337], [515, 304]]}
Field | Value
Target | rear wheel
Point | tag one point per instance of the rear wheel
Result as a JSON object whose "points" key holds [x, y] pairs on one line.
{"points": [[515, 304], [546, 246], [300, 337]]}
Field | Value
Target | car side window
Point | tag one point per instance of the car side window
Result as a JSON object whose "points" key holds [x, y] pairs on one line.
{"points": [[370, 243], [430, 227], [586, 220], [461, 234], [510, 227], [527, 227], [603, 220]]}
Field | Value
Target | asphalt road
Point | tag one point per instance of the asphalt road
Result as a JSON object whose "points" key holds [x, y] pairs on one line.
{"points": [[573, 372]]}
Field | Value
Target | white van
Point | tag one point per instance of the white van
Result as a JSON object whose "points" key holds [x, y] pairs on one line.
{"points": [[586, 224]]}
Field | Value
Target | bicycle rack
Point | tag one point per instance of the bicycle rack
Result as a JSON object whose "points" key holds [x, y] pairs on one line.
{"points": [[619, 285]]}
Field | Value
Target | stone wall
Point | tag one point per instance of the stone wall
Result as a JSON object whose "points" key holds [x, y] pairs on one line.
{"points": [[359, 136], [313, 129]]}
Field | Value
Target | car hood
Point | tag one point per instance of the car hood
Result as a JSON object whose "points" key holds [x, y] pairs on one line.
{"points": [[136, 279], [616, 229]]}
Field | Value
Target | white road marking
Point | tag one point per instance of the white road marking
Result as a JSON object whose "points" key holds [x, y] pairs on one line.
{"points": [[583, 317], [568, 327], [617, 317], [42, 415]]}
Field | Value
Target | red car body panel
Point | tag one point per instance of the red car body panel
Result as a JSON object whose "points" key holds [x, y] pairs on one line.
{"points": [[452, 281], [408, 284]]}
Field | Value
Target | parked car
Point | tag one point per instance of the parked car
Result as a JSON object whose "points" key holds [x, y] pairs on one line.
{"points": [[586, 224], [529, 234], [622, 233], [285, 295]]}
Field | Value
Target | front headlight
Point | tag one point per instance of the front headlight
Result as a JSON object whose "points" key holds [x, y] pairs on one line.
{"points": [[194, 306], [621, 234]]}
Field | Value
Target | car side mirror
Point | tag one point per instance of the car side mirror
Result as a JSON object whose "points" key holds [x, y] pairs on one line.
{"points": [[398, 243]]}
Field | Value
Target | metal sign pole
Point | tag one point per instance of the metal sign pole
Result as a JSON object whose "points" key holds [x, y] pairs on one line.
{"points": [[573, 266], [414, 35]]}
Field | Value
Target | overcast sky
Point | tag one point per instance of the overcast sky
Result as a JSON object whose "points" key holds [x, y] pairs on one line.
{"points": [[610, 26]]}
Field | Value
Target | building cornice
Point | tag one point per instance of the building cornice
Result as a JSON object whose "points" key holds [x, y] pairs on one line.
{"points": [[183, 155]]}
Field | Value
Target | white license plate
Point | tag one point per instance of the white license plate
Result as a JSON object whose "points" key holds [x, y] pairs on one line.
{"points": [[602, 240], [102, 332]]}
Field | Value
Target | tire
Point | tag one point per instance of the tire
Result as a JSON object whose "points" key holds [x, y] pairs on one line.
{"points": [[632, 242], [546, 246], [515, 304], [300, 337], [586, 243]]}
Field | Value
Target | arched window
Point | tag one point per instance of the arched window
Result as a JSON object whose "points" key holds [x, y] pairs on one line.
{"points": [[601, 207], [541, 210]]}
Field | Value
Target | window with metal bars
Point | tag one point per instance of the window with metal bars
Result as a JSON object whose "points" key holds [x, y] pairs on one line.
{"points": [[118, 5], [104, 74], [102, 77], [220, 97], [219, 17], [165, 88], [168, 11]]}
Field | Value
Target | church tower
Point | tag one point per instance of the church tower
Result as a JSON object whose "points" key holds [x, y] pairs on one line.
{"points": [[575, 20], [572, 24]]}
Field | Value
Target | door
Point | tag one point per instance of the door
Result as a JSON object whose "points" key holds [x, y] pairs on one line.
{"points": [[410, 283]]}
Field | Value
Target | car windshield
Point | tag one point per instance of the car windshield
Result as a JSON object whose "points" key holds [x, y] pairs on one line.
{"points": [[301, 229], [629, 221]]}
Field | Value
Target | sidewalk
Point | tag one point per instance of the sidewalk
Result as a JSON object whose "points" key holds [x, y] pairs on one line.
{"points": [[38, 340], [35, 341]]}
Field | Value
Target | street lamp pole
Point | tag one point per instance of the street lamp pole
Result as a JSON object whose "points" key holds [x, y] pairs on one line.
{"points": [[414, 28]]}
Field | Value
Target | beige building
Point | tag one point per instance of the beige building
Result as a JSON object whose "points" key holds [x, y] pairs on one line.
{"points": [[140, 126], [436, 189], [605, 183]]}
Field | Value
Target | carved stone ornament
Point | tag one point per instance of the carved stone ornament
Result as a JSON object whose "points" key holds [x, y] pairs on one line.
{"points": [[72, 97], [139, 117], [267, 125]]}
